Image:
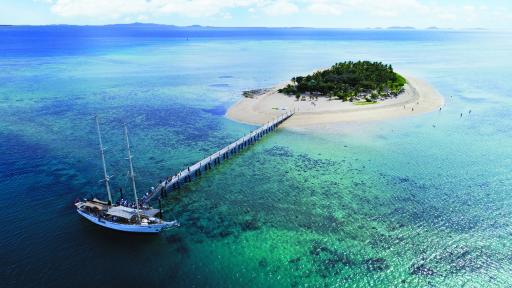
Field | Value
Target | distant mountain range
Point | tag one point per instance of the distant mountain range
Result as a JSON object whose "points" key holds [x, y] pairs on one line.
{"points": [[401, 28], [153, 25]]}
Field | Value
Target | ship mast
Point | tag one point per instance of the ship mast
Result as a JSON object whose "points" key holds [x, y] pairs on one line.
{"points": [[107, 178], [132, 175]]}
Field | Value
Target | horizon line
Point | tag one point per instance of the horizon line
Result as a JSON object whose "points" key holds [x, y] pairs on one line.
{"points": [[398, 27]]}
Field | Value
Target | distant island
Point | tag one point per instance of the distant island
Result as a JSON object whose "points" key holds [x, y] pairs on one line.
{"points": [[349, 81], [401, 28]]}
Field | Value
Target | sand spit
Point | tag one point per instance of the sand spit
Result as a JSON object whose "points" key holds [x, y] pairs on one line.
{"points": [[419, 97]]}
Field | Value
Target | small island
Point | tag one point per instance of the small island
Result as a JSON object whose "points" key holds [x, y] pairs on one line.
{"points": [[346, 92], [349, 81]]}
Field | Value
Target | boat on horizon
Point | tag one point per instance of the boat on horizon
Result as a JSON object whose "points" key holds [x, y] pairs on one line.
{"points": [[136, 217]]}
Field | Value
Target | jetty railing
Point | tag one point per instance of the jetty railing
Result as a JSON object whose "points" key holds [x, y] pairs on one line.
{"points": [[195, 170]]}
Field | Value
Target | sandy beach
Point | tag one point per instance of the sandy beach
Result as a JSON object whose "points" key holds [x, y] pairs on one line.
{"points": [[419, 97]]}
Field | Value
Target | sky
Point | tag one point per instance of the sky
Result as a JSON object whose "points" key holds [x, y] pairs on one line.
{"points": [[491, 14]]}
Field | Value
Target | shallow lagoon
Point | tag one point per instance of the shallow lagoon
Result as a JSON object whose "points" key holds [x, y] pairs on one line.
{"points": [[422, 201]]}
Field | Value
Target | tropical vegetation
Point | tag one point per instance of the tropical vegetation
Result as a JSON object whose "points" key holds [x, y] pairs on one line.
{"points": [[349, 81]]}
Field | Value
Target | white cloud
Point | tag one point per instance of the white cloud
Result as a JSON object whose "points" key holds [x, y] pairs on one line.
{"points": [[447, 16], [116, 9], [280, 7], [384, 8], [354, 12], [198, 8], [113, 9], [322, 8], [469, 8], [406, 12]]}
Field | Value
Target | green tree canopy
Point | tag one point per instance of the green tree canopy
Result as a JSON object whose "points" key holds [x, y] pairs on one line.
{"points": [[347, 79]]}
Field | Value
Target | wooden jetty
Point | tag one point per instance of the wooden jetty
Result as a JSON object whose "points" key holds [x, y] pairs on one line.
{"points": [[175, 181]]}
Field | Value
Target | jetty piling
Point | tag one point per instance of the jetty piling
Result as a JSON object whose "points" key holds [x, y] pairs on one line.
{"points": [[173, 182]]}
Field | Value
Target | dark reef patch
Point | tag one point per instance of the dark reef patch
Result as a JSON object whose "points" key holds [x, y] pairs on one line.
{"points": [[219, 85], [422, 270], [329, 261], [250, 225], [376, 264], [263, 263], [278, 151]]}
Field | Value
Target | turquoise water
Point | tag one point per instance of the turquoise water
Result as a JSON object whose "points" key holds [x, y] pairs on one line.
{"points": [[416, 202]]}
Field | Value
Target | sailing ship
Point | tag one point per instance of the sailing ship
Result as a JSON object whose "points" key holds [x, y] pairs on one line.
{"points": [[120, 216]]}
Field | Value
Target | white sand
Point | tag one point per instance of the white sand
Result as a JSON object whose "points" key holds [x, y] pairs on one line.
{"points": [[419, 97]]}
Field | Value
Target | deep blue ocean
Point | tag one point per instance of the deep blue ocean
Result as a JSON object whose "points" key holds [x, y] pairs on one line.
{"points": [[423, 201]]}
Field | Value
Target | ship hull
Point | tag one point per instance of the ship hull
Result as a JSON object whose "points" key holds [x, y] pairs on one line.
{"points": [[148, 229]]}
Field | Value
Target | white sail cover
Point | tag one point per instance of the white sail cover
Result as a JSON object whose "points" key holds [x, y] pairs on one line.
{"points": [[128, 213]]}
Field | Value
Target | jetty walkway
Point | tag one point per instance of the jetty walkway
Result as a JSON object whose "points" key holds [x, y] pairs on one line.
{"points": [[195, 170]]}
